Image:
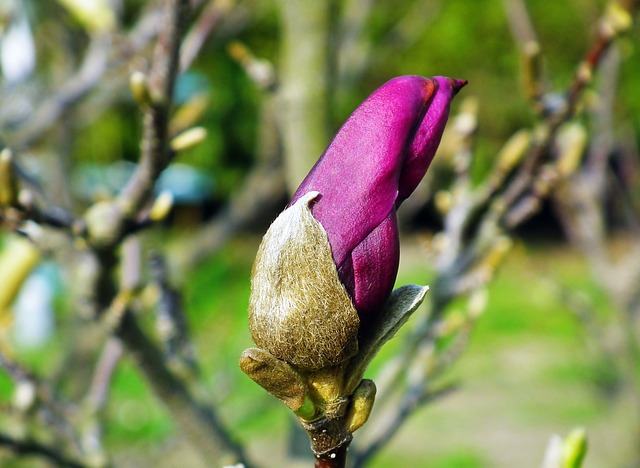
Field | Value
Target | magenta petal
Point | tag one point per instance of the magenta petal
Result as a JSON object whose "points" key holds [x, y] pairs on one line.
{"points": [[375, 265], [374, 162], [357, 176], [427, 137]]}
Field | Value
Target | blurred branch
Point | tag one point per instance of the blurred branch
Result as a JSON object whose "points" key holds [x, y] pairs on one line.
{"points": [[519, 22], [524, 34], [95, 64], [583, 204], [155, 154], [22, 199], [32, 447], [112, 351], [94, 405], [213, 13], [106, 366], [171, 323], [34, 399], [109, 222], [617, 19], [305, 84], [521, 199], [199, 422]]}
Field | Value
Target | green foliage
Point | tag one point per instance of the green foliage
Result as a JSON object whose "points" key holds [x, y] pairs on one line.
{"points": [[134, 414], [458, 458]]}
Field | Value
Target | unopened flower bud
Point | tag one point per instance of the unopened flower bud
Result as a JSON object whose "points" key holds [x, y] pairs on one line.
{"points": [[278, 378], [361, 405], [572, 140], [189, 138], [8, 183], [321, 302], [574, 448], [373, 164], [139, 86], [161, 207], [513, 151], [298, 310]]}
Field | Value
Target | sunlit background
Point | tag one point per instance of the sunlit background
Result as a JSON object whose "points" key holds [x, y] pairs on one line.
{"points": [[540, 360]]}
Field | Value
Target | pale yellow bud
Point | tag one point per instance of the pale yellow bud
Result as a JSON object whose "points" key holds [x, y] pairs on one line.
{"points": [[277, 377], [18, 258], [189, 113], [104, 223], [161, 206], [477, 303], [25, 395], [571, 142], [617, 19], [94, 15], [8, 185], [443, 201], [139, 87], [513, 150], [188, 138], [574, 448], [361, 405]]}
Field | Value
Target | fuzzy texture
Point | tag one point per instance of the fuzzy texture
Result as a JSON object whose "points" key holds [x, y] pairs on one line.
{"points": [[375, 162], [299, 310]]}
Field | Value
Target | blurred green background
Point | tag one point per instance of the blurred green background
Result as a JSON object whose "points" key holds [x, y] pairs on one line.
{"points": [[530, 369], [528, 373]]}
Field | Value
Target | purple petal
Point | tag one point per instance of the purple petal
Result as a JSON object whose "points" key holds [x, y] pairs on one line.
{"points": [[427, 137], [370, 271], [357, 176], [374, 162]]}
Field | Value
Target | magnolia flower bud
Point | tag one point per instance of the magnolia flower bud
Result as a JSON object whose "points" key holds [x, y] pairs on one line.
{"points": [[321, 304], [327, 265], [374, 163]]}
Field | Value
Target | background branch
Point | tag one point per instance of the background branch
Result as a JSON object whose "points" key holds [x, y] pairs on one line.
{"points": [[305, 86]]}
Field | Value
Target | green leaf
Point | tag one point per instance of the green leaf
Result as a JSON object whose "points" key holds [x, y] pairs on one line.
{"points": [[403, 302]]}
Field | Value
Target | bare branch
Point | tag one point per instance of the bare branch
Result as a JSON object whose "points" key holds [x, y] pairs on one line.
{"points": [[32, 447], [155, 153], [388, 427], [208, 20], [199, 422]]}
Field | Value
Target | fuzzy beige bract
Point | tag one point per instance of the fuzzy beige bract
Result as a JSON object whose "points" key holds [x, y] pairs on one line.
{"points": [[298, 309]]}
